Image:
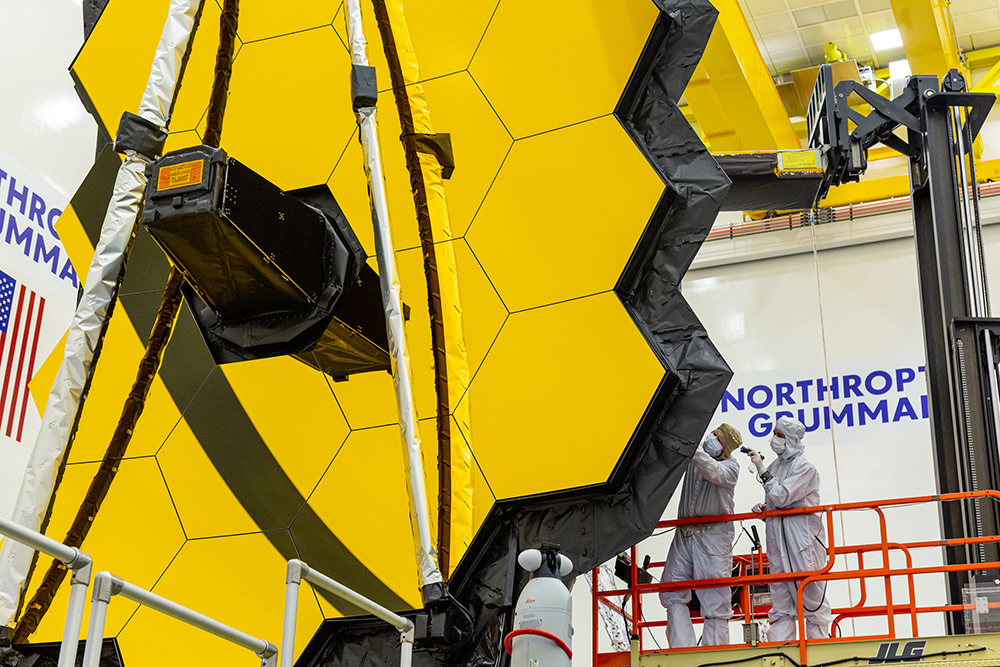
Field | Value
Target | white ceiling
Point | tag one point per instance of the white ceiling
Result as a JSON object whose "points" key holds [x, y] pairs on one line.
{"points": [[791, 33]]}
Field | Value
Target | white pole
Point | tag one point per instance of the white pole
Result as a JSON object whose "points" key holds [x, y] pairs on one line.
{"points": [[358, 600], [92, 309], [103, 585], [430, 576], [78, 562], [297, 571], [293, 579], [107, 585], [169, 608], [95, 634], [35, 541], [406, 654], [74, 619]]}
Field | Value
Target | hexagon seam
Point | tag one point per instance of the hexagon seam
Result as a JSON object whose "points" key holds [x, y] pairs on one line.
{"points": [[595, 522]]}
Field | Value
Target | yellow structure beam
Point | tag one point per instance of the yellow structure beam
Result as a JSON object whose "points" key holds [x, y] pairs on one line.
{"points": [[982, 57], [985, 84], [874, 189], [733, 66], [705, 106], [928, 36]]}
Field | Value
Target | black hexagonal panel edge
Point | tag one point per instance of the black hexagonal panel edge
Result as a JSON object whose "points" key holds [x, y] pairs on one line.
{"points": [[594, 523]]}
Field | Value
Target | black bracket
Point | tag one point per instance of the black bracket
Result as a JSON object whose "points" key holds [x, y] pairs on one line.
{"points": [[140, 135]]}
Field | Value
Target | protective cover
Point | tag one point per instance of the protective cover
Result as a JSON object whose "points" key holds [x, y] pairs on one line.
{"points": [[47, 655], [256, 285], [756, 185], [594, 523]]}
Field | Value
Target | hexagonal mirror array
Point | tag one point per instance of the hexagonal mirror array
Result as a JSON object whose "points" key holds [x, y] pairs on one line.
{"points": [[252, 463]]}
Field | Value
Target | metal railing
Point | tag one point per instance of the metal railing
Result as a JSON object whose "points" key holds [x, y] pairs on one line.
{"points": [[107, 585], [80, 565], [886, 571], [297, 571]]}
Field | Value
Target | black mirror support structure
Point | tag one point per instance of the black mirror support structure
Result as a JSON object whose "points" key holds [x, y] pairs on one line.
{"points": [[940, 123]]}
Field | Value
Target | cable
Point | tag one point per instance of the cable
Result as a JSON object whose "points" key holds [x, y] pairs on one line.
{"points": [[739, 536], [826, 584], [941, 654], [651, 635], [775, 654], [754, 545], [465, 612], [976, 213], [826, 364], [784, 540]]}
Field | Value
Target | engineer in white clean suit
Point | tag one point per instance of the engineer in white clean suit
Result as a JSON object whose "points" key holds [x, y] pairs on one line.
{"points": [[704, 551], [794, 543]]}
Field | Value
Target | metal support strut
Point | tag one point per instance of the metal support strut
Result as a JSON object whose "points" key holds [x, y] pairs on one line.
{"points": [[80, 565], [107, 585], [297, 571], [431, 583]]}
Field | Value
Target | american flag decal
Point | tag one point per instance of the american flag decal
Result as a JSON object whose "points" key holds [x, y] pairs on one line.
{"points": [[20, 323]]}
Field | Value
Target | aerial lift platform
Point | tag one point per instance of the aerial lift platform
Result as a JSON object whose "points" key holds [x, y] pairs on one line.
{"points": [[874, 566], [935, 125]]}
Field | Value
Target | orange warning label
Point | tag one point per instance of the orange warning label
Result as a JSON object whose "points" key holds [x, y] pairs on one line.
{"points": [[179, 175]]}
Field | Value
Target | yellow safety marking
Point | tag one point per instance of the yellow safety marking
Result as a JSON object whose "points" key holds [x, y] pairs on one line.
{"points": [[799, 161]]}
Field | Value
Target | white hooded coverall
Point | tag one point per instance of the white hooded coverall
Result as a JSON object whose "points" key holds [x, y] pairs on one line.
{"points": [[795, 543], [702, 552]]}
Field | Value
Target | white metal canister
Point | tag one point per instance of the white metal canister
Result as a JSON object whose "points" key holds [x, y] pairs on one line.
{"points": [[543, 618]]}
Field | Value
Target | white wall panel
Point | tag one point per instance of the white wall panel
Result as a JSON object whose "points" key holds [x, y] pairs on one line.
{"points": [[42, 122], [47, 143], [780, 320]]}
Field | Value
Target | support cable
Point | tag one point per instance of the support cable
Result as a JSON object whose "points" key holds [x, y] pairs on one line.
{"points": [[970, 141], [434, 300], [149, 364]]}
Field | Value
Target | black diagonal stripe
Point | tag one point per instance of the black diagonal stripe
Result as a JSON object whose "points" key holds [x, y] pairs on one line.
{"points": [[90, 201]]}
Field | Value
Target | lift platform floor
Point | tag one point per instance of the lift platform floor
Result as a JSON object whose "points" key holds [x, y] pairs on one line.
{"points": [[972, 650]]}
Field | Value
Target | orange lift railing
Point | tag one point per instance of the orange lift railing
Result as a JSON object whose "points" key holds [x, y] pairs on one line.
{"points": [[751, 574]]}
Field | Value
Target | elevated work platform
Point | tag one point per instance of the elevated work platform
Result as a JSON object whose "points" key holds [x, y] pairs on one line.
{"points": [[981, 650], [872, 568]]}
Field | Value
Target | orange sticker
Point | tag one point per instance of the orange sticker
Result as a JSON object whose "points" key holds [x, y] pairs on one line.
{"points": [[179, 175]]}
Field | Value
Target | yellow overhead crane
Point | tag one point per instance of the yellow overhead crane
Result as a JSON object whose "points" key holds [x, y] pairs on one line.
{"points": [[929, 43]]}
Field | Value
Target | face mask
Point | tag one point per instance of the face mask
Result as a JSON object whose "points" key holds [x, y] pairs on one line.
{"points": [[712, 446], [777, 445]]}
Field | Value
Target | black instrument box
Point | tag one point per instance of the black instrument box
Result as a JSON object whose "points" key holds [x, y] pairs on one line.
{"points": [[272, 272]]}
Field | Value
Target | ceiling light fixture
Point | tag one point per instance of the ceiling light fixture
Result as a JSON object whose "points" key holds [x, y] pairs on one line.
{"points": [[886, 39]]}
